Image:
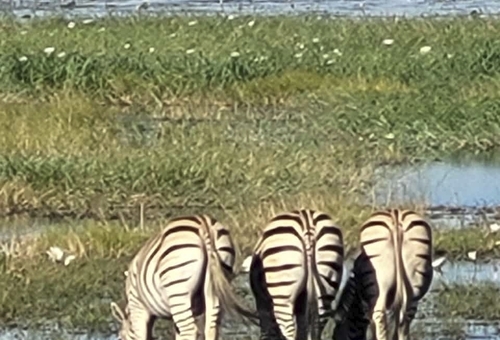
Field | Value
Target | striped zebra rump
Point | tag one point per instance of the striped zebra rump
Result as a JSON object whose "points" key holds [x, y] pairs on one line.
{"points": [[295, 274], [181, 273], [392, 272]]}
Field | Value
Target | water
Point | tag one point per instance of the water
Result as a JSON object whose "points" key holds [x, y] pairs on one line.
{"points": [[99, 8], [443, 184], [457, 195]]}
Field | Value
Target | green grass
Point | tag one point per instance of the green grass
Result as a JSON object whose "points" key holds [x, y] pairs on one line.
{"points": [[118, 122], [300, 116]]}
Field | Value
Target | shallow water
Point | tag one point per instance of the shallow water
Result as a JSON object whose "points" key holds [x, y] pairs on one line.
{"points": [[457, 195], [16, 227], [98, 8], [443, 184]]}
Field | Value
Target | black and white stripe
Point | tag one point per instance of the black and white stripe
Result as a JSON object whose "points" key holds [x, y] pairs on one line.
{"points": [[181, 273], [295, 274], [391, 274]]}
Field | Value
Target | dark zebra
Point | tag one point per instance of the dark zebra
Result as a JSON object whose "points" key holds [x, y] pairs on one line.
{"points": [[392, 272], [182, 273], [296, 270]]}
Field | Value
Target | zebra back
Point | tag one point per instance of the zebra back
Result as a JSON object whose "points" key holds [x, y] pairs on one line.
{"points": [[220, 254], [417, 251], [395, 251], [404, 238], [304, 239]]}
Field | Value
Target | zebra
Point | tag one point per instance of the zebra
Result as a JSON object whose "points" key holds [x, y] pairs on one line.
{"points": [[180, 274], [295, 273], [392, 272]]}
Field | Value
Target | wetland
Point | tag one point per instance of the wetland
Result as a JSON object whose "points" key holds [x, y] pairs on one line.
{"points": [[108, 128]]}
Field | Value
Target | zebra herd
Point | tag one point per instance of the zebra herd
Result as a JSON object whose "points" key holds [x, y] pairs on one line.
{"points": [[184, 273]]}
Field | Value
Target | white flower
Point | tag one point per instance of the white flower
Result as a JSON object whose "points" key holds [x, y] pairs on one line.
{"points": [[494, 227], [56, 254], [251, 23], [235, 54], [298, 55], [102, 29], [24, 32], [190, 51], [151, 49], [472, 255], [126, 46], [325, 56], [438, 263], [23, 59], [390, 135], [192, 23], [388, 42], [315, 40], [68, 259], [49, 50], [301, 46], [173, 35], [337, 52], [61, 54], [71, 24], [245, 266], [87, 21], [329, 62], [230, 17], [425, 49]]}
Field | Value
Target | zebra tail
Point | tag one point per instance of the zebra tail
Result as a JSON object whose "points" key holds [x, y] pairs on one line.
{"points": [[221, 285], [312, 298], [400, 269]]}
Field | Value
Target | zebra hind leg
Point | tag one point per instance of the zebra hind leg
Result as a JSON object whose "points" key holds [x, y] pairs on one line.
{"points": [[269, 329], [380, 324], [213, 312], [185, 323]]}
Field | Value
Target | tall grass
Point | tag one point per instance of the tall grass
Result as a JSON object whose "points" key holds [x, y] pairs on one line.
{"points": [[201, 54]]}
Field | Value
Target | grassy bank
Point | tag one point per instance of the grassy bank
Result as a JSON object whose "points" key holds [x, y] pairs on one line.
{"points": [[469, 302], [304, 105]]}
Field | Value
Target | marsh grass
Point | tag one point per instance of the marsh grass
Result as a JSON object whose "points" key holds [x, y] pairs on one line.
{"points": [[209, 113], [469, 302], [103, 250]]}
